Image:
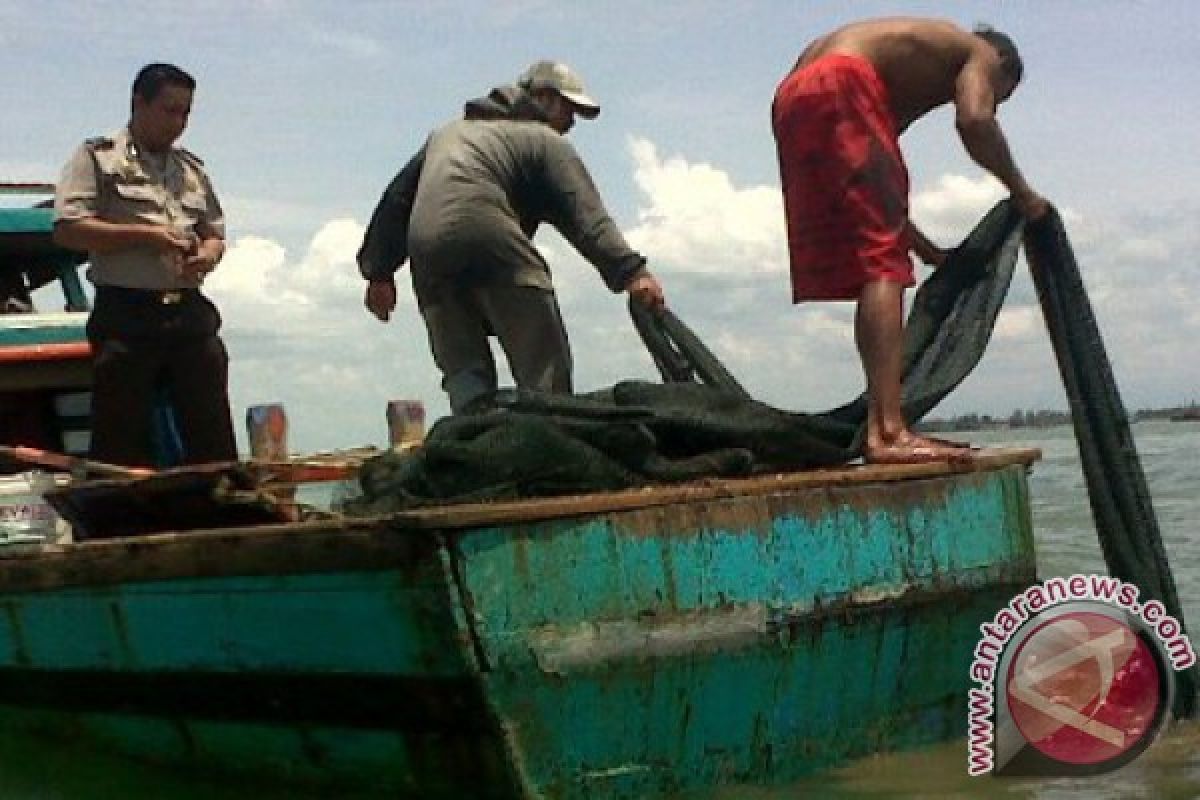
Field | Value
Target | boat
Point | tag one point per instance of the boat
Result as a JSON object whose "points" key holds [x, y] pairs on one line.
{"points": [[627, 644], [45, 359], [619, 645]]}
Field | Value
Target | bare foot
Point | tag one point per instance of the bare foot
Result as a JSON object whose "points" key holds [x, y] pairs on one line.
{"points": [[909, 448], [944, 442]]}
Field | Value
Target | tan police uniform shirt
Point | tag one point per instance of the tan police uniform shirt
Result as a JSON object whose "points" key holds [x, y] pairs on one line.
{"points": [[110, 178]]}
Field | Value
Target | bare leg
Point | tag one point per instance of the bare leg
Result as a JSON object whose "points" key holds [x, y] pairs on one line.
{"points": [[879, 334]]}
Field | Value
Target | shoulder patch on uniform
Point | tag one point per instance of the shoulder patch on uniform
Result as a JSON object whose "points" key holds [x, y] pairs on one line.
{"points": [[190, 156], [100, 143]]}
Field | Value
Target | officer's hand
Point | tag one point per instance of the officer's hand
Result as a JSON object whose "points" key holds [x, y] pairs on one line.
{"points": [[171, 240], [381, 298], [199, 264], [646, 289]]}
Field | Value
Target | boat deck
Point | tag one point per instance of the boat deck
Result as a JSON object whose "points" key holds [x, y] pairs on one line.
{"points": [[349, 543]]}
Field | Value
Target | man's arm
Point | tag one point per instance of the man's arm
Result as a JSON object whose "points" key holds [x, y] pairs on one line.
{"points": [[385, 243], [209, 237], [580, 216], [95, 235], [926, 250], [975, 117], [205, 255]]}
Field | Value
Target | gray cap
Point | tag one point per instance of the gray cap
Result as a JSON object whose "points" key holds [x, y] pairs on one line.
{"points": [[562, 79]]}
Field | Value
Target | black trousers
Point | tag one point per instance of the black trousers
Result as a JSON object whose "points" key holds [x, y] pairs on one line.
{"points": [[146, 344]]}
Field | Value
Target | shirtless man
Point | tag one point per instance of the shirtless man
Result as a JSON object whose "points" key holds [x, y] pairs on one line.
{"points": [[836, 118]]}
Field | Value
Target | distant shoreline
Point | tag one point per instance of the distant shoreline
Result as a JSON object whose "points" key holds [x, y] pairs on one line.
{"points": [[1047, 419]]}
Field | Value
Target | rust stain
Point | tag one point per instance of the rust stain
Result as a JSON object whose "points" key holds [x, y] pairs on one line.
{"points": [[734, 515], [186, 736], [669, 578], [315, 752], [20, 648], [752, 515], [121, 630]]}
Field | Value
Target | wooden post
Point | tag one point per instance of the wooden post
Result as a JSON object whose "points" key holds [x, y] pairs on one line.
{"points": [[267, 428], [406, 423]]}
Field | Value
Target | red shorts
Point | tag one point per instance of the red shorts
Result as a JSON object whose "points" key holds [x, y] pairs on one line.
{"points": [[845, 186]]}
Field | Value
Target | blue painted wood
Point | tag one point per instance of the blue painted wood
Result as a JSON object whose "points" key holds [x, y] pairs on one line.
{"points": [[754, 639], [626, 654], [24, 330], [289, 623]]}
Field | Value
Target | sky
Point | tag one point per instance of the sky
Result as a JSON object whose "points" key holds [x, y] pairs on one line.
{"points": [[306, 108]]}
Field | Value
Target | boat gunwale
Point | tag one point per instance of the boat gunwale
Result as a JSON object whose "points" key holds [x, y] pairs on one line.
{"points": [[389, 541]]}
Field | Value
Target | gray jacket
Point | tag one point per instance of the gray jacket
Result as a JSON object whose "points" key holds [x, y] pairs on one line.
{"points": [[385, 245], [485, 186]]}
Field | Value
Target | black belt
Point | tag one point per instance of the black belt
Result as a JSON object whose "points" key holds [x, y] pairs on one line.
{"points": [[165, 297]]}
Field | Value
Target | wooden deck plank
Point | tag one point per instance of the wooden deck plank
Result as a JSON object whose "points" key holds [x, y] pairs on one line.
{"points": [[501, 513], [358, 543]]}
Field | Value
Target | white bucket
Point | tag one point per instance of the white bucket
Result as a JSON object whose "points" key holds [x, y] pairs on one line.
{"points": [[25, 515]]}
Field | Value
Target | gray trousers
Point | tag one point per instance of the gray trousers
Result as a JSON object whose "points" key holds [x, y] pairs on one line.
{"points": [[528, 324]]}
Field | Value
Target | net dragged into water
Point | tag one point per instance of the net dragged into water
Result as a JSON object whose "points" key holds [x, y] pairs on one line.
{"points": [[1121, 506]]}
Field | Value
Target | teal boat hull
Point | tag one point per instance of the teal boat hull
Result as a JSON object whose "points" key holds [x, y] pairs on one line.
{"points": [[627, 645]]}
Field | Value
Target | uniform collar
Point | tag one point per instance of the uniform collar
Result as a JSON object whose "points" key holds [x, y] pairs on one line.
{"points": [[139, 162]]}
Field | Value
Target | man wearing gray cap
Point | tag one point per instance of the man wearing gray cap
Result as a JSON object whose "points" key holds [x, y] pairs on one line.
{"points": [[560, 94], [465, 209]]}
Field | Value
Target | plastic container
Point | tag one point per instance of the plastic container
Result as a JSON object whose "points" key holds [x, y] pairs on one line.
{"points": [[406, 423], [25, 515]]}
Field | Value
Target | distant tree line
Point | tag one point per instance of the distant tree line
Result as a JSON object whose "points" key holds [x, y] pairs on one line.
{"points": [[1045, 418]]}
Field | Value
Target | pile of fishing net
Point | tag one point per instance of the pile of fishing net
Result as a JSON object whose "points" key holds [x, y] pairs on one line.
{"points": [[700, 422]]}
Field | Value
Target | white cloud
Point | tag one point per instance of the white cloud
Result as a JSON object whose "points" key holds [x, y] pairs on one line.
{"points": [[695, 220], [1019, 324], [947, 211], [1143, 250], [355, 45], [298, 333], [244, 270], [256, 274], [28, 171]]}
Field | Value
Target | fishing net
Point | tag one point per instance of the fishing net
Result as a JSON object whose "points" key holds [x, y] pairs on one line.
{"points": [[700, 422], [1124, 515]]}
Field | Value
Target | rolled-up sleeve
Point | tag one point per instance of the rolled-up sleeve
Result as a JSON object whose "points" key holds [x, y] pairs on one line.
{"points": [[76, 193]]}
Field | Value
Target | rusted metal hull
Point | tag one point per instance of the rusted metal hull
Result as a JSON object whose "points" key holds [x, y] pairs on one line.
{"points": [[630, 645]]}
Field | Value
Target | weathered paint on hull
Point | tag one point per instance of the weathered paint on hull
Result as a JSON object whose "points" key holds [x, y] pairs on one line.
{"points": [[747, 639], [778, 635]]}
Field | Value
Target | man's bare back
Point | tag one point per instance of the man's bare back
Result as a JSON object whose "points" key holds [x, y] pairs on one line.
{"points": [[918, 60], [923, 64]]}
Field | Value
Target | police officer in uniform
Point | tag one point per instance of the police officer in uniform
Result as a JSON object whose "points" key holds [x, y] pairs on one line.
{"points": [[147, 216]]}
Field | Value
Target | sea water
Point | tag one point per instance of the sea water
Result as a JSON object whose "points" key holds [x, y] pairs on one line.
{"points": [[1066, 540]]}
